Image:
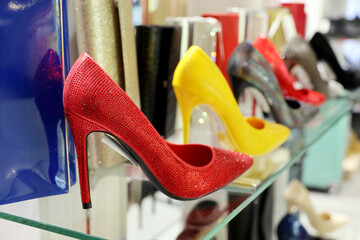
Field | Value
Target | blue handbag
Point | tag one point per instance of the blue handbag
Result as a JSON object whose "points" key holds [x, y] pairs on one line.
{"points": [[37, 156]]}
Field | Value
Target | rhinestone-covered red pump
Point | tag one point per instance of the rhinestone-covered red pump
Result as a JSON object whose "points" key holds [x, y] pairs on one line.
{"points": [[94, 103]]}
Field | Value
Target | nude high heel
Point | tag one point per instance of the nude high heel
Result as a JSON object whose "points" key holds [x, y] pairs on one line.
{"points": [[297, 195]]}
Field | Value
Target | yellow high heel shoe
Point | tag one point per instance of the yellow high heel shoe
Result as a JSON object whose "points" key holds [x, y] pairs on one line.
{"points": [[197, 80]]}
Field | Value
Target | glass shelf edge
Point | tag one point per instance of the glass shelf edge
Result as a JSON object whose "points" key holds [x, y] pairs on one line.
{"points": [[48, 227]]}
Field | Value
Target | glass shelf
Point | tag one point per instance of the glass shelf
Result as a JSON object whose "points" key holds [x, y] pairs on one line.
{"points": [[127, 206], [330, 113]]}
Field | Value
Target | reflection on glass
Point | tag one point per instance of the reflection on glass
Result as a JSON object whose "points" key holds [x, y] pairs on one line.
{"points": [[198, 31], [48, 86]]}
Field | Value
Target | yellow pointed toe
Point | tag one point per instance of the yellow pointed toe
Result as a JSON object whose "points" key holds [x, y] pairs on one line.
{"points": [[266, 136], [197, 80]]}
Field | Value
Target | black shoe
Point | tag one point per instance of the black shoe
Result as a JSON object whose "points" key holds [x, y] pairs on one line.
{"points": [[344, 28], [349, 79]]}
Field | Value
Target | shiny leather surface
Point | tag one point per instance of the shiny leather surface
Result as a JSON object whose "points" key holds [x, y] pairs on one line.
{"points": [[290, 228], [286, 81], [300, 52], [33, 159], [321, 46], [247, 64], [158, 50]]}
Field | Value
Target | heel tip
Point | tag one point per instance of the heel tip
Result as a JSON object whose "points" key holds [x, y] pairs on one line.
{"points": [[87, 205]]}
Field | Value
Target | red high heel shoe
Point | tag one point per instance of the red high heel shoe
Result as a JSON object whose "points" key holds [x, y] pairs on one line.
{"points": [[286, 81], [94, 103]]}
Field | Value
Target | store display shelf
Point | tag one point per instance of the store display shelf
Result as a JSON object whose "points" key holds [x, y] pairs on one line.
{"points": [[330, 113], [156, 216], [47, 227]]}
